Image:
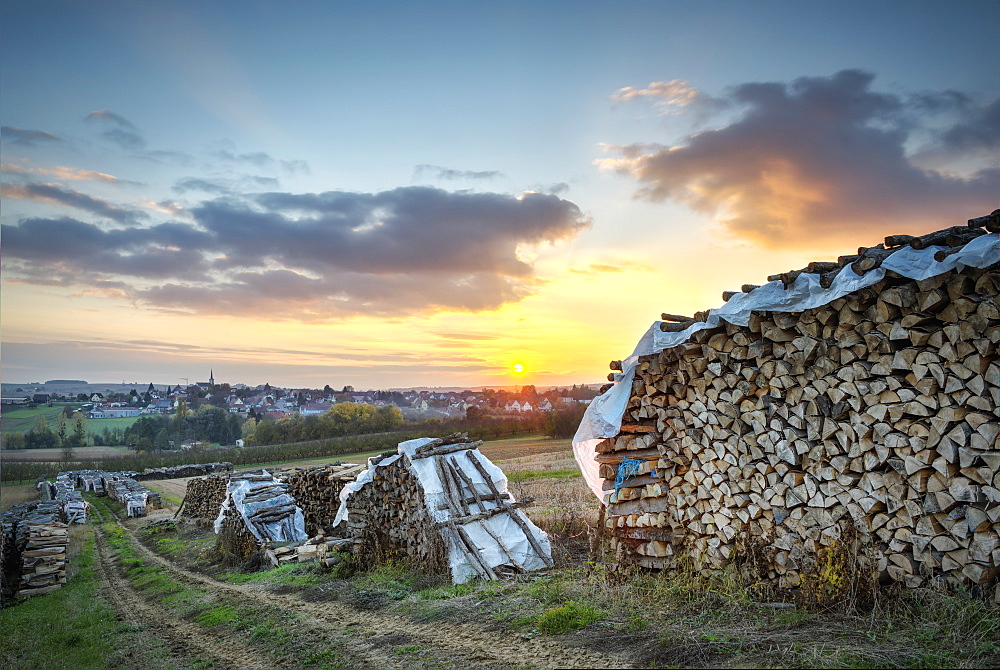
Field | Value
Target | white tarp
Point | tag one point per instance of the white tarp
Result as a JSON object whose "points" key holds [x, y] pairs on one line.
{"points": [[501, 525], [291, 528], [603, 417]]}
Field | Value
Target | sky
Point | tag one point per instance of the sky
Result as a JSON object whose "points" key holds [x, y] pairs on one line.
{"points": [[389, 195]]}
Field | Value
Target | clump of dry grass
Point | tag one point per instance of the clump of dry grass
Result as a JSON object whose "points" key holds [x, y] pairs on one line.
{"points": [[565, 509]]}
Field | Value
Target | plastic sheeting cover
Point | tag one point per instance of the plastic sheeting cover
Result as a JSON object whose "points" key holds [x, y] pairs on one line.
{"points": [[501, 525], [288, 529], [603, 417]]}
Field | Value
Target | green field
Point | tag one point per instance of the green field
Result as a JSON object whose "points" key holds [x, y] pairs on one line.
{"points": [[22, 420]]}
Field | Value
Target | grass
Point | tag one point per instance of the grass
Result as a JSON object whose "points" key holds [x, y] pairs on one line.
{"points": [[22, 420], [565, 618], [73, 627], [518, 476]]}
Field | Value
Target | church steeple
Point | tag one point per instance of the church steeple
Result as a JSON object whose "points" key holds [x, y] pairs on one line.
{"points": [[211, 377]]}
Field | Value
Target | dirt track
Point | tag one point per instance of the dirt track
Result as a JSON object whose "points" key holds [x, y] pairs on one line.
{"points": [[364, 638], [186, 641]]}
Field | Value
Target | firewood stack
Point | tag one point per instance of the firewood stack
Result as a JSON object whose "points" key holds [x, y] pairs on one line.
{"points": [[442, 506], [387, 518], [204, 496], [35, 540], [877, 410], [182, 471], [257, 511], [317, 491], [74, 506], [133, 496]]}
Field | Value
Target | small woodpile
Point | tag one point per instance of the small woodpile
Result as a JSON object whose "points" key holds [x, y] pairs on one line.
{"points": [[204, 497], [442, 506], [317, 491], [257, 511], [130, 494], [74, 506], [875, 413], [316, 549], [89, 481], [35, 541], [182, 471]]}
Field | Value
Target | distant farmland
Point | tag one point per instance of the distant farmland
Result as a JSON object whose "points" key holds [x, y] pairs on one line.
{"points": [[22, 420]]}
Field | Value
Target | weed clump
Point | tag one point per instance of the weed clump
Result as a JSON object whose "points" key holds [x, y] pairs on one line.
{"points": [[565, 618]]}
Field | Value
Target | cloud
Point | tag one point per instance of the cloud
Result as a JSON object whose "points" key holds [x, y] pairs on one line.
{"points": [[557, 188], [126, 139], [979, 132], [60, 195], [124, 134], [817, 159], [164, 207], [438, 172], [669, 97], [111, 117], [63, 173], [263, 159], [27, 138], [597, 269], [224, 186], [467, 337], [310, 256]]}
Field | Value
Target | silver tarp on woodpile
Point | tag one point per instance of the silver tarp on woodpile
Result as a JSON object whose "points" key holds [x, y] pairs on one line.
{"points": [[464, 500]]}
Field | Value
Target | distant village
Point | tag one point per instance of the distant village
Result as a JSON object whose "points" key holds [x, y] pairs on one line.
{"points": [[271, 402]]}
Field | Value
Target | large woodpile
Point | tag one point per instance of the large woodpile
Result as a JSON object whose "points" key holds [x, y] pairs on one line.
{"points": [[443, 507], [388, 519], [34, 548], [317, 491], [874, 414]]}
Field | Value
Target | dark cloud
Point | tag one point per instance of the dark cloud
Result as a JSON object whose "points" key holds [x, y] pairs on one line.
{"points": [[980, 132], [27, 138], [313, 256], [60, 195], [438, 172], [818, 158]]}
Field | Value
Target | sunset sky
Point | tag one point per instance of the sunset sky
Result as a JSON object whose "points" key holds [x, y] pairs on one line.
{"points": [[402, 194]]}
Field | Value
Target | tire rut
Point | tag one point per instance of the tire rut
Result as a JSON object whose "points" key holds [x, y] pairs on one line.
{"points": [[466, 645], [187, 641]]}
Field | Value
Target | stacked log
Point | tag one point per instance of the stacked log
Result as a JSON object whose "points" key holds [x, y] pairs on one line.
{"points": [[182, 471], [130, 494], [387, 518], [319, 549], [877, 412], [257, 512], [435, 504], [35, 541], [317, 491], [204, 497]]}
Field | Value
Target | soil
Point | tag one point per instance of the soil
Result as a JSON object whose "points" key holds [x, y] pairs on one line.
{"points": [[186, 642], [365, 634]]}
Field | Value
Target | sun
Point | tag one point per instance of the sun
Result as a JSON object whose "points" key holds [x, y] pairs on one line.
{"points": [[518, 368]]}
